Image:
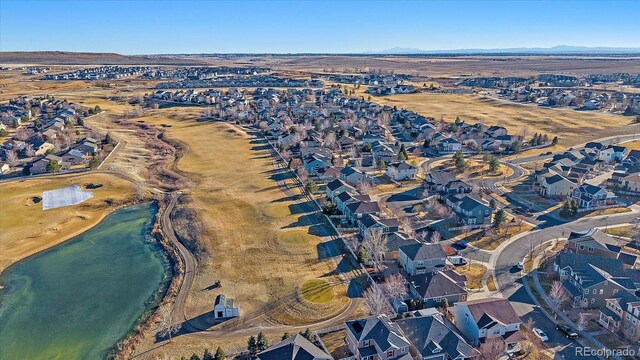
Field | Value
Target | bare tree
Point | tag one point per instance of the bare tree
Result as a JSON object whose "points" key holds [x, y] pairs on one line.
{"points": [[22, 134], [375, 246], [557, 294], [375, 301], [394, 286], [12, 157], [436, 237], [364, 187], [167, 326], [582, 322], [492, 348]]}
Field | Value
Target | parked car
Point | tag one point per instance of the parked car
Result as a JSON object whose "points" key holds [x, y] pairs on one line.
{"points": [[461, 244], [540, 334], [517, 354], [567, 331], [457, 260]]}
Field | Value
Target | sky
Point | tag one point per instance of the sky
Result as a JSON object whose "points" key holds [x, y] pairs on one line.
{"points": [[163, 27]]}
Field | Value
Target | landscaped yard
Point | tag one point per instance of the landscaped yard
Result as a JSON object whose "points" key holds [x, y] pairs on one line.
{"points": [[609, 211], [624, 231], [474, 273]]}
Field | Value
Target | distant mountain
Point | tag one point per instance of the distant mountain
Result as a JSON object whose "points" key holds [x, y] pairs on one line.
{"points": [[556, 50]]}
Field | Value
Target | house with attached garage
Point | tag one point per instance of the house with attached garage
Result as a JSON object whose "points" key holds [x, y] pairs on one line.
{"points": [[469, 210], [556, 186], [421, 258], [598, 243], [449, 145], [401, 171], [345, 198], [377, 338], [336, 187], [295, 347], [225, 308], [622, 313], [434, 287], [352, 175], [356, 210], [631, 183], [316, 162], [483, 319], [591, 280], [434, 337], [369, 223], [590, 196]]}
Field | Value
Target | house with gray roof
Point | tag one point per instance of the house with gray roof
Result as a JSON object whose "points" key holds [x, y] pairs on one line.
{"points": [[433, 288], [591, 280], [356, 210], [434, 337], [470, 210], [590, 196], [377, 338], [421, 258], [295, 347], [336, 187]]}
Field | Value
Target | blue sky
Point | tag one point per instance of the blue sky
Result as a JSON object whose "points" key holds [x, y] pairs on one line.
{"points": [[152, 27]]}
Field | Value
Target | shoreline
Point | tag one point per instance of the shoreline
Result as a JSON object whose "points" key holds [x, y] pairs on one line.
{"points": [[71, 236]]}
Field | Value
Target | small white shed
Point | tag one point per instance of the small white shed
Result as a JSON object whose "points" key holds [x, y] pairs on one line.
{"points": [[225, 308]]}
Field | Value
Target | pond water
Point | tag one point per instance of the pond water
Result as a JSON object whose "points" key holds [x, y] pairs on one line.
{"points": [[78, 299]]}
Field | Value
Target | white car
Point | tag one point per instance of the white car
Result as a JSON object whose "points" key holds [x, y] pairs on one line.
{"points": [[540, 334], [520, 265]]}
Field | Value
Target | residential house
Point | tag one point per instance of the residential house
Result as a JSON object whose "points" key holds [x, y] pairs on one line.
{"points": [[352, 175], [469, 210], [449, 145], [481, 319], [556, 186], [401, 171], [434, 337], [225, 308], [41, 147], [631, 183], [295, 347], [421, 258], [591, 280], [316, 162], [369, 223], [435, 181], [4, 168], [336, 187], [595, 242], [435, 287], [622, 312], [345, 198], [590, 196], [377, 338], [356, 210]]}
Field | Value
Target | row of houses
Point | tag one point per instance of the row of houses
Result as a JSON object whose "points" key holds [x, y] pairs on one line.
{"points": [[565, 176], [423, 334], [600, 272]]}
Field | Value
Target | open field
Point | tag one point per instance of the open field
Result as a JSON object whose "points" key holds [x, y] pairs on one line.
{"points": [[572, 127], [438, 66], [632, 145], [27, 229], [260, 243]]}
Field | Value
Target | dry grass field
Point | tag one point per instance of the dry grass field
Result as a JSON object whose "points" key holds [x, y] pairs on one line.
{"points": [[27, 229], [258, 242], [572, 127]]}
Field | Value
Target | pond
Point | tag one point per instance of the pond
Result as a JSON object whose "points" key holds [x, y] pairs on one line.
{"points": [[78, 299]]}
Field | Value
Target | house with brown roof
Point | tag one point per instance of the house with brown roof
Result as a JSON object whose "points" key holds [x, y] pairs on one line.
{"points": [[486, 318]]}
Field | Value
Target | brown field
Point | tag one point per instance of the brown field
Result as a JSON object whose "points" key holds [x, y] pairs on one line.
{"points": [[474, 273], [257, 241], [566, 124], [435, 66], [27, 229], [632, 145]]}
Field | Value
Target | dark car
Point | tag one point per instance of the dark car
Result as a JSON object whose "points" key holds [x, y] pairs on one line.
{"points": [[567, 331], [460, 244], [517, 354]]}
